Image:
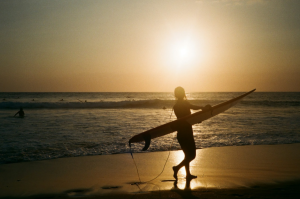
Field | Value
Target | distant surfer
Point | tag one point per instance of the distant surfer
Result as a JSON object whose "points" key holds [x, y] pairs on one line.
{"points": [[20, 112], [185, 135]]}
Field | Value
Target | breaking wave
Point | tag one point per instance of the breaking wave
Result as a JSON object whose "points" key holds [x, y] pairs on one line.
{"points": [[82, 105], [156, 103]]}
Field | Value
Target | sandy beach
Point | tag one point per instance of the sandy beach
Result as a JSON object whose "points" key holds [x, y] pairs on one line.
{"points": [[262, 171], [83, 83]]}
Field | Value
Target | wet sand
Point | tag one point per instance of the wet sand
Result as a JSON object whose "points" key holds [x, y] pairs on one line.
{"points": [[265, 171]]}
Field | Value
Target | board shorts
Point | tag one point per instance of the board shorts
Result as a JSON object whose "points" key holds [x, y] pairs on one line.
{"points": [[186, 140]]}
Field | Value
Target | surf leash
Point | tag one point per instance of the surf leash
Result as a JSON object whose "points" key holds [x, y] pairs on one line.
{"points": [[137, 183], [135, 164]]}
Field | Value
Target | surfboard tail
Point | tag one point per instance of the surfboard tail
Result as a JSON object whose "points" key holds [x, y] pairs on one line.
{"points": [[147, 139]]}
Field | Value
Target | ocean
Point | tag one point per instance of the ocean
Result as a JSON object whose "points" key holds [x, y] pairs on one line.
{"points": [[68, 124]]}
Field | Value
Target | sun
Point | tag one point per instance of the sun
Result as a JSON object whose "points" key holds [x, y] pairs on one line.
{"points": [[184, 53], [181, 53]]}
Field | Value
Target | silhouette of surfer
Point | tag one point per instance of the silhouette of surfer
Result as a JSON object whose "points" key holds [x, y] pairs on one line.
{"points": [[20, 112], [185, 135]]}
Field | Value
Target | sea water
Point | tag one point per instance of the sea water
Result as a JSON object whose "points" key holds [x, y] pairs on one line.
{"points": [[80, 124]]}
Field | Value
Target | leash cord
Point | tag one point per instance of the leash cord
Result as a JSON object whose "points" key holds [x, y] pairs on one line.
{"points": [[135, 165], [160, 172], [164, 164]]}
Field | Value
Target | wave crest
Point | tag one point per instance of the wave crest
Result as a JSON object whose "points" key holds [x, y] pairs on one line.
{"points": [[153, 103], [104, 104]]}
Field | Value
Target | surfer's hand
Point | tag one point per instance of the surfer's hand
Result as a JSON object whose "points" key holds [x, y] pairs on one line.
{"points": [[207, 107]]}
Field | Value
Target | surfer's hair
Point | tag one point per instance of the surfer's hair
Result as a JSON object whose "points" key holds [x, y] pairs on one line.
{"points": [[179, 93]]}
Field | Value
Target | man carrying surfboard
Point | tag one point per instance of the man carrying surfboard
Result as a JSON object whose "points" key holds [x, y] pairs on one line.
{"points": [[185, 135], [183, 125]]}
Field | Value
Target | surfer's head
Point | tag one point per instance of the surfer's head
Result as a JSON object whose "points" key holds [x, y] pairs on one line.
{"points": [[179, 93]]}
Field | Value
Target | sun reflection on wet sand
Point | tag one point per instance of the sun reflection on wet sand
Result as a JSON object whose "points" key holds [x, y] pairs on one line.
{"points": [[188, 184], [182, 182]]}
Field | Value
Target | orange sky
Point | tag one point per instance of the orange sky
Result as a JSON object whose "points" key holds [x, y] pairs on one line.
{"points": [[149, 46]]}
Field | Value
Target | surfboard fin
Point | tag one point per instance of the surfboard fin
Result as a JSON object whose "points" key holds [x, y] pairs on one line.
{"points": [[147, 138]]}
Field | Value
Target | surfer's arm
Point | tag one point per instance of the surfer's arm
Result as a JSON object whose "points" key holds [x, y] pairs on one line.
{"points": [[194, 107]]}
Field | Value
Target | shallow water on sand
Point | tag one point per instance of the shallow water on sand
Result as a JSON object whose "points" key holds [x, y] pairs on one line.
{"points": [[104, 123]]}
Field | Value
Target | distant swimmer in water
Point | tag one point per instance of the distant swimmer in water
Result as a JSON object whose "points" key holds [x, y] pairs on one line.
{"points": [[61, 100], [185, 135], [20, 112]]}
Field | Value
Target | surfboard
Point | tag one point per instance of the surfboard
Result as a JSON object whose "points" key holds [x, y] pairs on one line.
{"points": [[191, 119]]}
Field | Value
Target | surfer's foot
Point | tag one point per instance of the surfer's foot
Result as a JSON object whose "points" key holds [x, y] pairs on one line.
{"points": [[175, 169], [190, 176]]}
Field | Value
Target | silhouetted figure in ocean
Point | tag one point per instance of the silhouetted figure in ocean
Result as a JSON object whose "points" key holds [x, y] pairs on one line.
{"points": [[185, 135], [20, 112]]}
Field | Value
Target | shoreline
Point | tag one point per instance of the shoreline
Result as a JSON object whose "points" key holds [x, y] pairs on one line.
{"points": [[137, 152], [221, 170]]}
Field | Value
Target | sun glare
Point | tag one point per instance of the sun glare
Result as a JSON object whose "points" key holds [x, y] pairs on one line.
{"points": [[183, 54]]}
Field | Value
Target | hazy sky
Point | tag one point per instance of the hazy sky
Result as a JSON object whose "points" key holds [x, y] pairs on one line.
{"points": [[149, 45]]}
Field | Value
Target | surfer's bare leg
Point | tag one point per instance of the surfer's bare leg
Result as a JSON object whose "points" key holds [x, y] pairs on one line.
{"points": [[187, 169], [188, 158], [186, 163], [187, 143], [188, 173], [175, 169]]}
